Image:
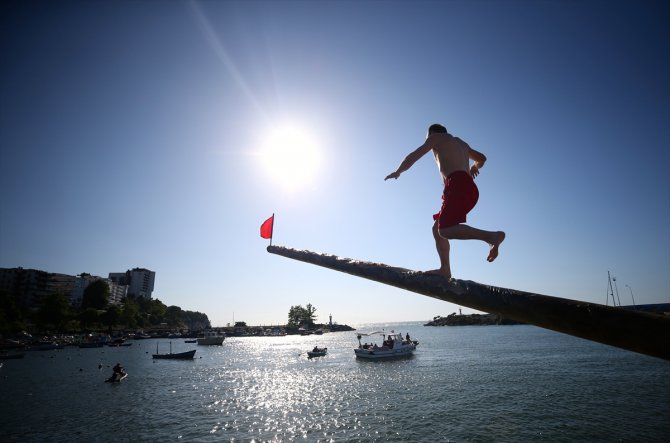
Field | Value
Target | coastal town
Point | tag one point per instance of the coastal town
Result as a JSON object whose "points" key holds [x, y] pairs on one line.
{"points": [[43, 311]]}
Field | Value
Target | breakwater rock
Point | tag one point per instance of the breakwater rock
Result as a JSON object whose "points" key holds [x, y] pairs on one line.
{"points": [[471, 319]]}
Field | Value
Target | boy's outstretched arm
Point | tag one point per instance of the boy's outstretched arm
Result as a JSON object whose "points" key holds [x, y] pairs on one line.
{"points": [[411, 158]]}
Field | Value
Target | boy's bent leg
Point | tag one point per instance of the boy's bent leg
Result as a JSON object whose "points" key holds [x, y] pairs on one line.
{"points": [[465, 232]]}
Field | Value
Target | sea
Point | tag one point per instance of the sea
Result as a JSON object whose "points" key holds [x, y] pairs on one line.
{"points": [[464, 384]]}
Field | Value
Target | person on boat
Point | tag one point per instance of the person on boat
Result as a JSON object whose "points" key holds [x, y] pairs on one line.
{"points": [[117, 373], [316, 349], [460, 194]]}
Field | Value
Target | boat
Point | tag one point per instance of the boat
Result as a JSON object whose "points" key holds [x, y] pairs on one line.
{"points": [[91, 341], [12, 356], [317, 352], [191, 341], [212, 337], [142, 337], [117, 377], [274, 332], [188, 355], [394, 345], [46, 346], [118, 343], [91, 345]]}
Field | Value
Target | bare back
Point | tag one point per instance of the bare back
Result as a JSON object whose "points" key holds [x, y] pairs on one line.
{"points": [[451, 154]]}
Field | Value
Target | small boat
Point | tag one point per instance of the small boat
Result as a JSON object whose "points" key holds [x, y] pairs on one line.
{"points": [[188, 355], [45, 346], [142, 337], [117, 377], [394, 345], [191, 341], [118, 342], [91, 345], [212, 337], [317, 352], [12, 356]]}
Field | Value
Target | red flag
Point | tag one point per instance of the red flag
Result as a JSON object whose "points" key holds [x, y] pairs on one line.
{"points": [[266, 227]]}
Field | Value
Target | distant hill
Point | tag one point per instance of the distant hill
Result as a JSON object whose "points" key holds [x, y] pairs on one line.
{"points": [[656, 308], [470, 320]]}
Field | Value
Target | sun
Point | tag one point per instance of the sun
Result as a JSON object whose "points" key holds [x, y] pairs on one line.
{"points": [[290, 155]]}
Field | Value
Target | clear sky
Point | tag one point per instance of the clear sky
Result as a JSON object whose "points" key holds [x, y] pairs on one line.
{"points": [[139, 134]]}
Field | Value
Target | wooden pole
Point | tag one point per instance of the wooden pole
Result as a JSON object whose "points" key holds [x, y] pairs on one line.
{"points": [[636, 331]]}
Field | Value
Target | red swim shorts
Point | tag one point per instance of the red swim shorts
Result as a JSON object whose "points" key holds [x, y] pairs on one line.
{"points": [[459, 197]]}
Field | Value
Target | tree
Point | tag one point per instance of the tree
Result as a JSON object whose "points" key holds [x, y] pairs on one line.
{"points": [[311, 314], [89, 319], [54, 311], [295, 315], [152, 310], [195, 321], [298, 315], [11, 318], [130, 313], [111, 317], [173, 317], [72, 326], [96, 295]]}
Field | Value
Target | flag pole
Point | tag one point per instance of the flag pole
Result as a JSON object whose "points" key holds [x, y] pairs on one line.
{"points": [[272, 229]]}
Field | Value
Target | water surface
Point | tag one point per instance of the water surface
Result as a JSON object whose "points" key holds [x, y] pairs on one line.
{"points": [[479, 383]]}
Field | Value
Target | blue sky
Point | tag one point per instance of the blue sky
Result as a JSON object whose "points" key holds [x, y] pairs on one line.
{"points": [[135, 134]]}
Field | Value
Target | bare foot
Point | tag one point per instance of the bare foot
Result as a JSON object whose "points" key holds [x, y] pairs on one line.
{"points": [[493, 253], [445, 274]]}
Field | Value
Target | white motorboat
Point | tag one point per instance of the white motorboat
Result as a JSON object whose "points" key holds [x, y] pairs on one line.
{"points": [[212, 337], [393, 345]]}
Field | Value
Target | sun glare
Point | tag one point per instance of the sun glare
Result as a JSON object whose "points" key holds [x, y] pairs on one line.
{"points": [[290, 155]]}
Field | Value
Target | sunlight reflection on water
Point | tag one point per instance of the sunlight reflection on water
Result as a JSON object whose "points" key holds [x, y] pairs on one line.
{"points": [[514, 383]]}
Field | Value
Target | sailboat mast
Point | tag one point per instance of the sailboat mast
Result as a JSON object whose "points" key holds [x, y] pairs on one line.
{"points": [[610, 290], [616, 288]]}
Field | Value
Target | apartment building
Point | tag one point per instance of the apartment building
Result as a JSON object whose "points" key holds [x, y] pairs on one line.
{"points": [[140, 281], [30, 286]]}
